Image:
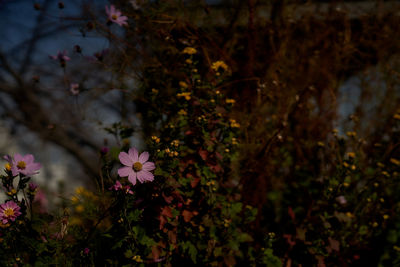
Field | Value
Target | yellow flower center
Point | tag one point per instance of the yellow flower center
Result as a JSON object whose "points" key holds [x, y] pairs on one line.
{"points": [[9, 212], [21, 165], [114, 17], [137, 166], [8, 166]]}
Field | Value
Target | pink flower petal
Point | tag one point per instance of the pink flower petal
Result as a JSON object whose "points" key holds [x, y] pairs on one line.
{"points": [[132, 178], [144, 157], [28, 159], [145, 176], [125, 171], [18, 157], [134, 154], [33, 167], [149, 166], [125, 159], [14, 170]]}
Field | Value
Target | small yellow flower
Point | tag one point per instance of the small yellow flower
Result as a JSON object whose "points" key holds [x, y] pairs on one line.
{"points": [[346, 184], [186, 95], [369, 199], [396, 248], [386, 173], [74, 199], [176, 153], [219, 64], [351, 154], [182, 112], [212, 101], [349, 214], [154, 91], [189, 51], [353, 167], [8, 167], [234, 124], [217, 92], [376, 184], [137, 258], [234, 141], [175, 143], [335, 131], [167, 150], [230, 101], [382, 200], [155, 139], [396, 116], [385, 216], [227, 150], [12, 192], [380, 164], [395, 161], [188, 61], [375, 224], [351, 134], [183, 84], [79, 190], [79, 208], [321, 144], [346, 164], [201, 229], [271, 235], [226, 223]]}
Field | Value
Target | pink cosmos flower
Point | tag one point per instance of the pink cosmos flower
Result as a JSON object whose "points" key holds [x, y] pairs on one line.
{"points": [[115, 15], [32, 187], [136, 166], [118, 186], [86, 251], [41, 201], [9, 211], [24, 165], [341, 199], [61, 56], [104, 150], [74, 88]]}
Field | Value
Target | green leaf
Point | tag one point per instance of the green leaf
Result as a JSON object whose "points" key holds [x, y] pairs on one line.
{"points": [[236, 208], [128, 253], [244, 237]]}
